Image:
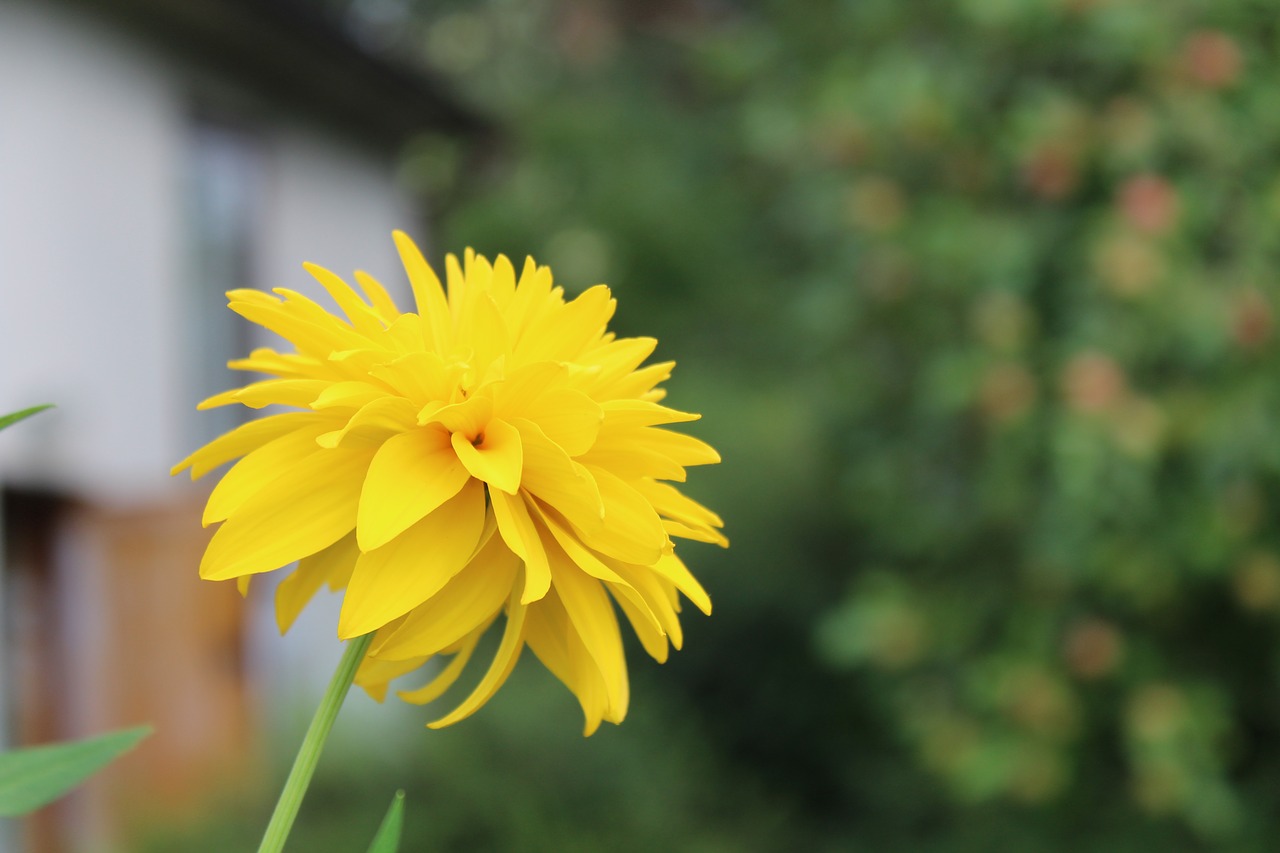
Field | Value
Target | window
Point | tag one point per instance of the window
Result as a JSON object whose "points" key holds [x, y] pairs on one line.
{"points": [[226, 187]]}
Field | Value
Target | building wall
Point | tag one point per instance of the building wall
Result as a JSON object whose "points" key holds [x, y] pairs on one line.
{"points": [[109, 633], [90, 153], [98, 271]]}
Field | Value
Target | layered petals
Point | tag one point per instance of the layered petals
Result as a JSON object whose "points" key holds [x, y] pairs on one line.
{"points": [[391, 580], [304, 510], [494, 457], [411, 474]]}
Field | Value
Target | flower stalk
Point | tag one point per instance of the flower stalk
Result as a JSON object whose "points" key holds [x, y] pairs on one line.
{"points": [[304, 765]]}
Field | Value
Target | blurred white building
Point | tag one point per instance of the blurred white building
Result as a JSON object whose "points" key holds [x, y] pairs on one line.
{"points": [[154, 154]]}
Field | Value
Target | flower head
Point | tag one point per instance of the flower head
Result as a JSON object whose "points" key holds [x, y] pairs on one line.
{"points": [[498, 453]]}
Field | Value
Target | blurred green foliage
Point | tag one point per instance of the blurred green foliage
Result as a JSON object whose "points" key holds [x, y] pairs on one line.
{"points": [[977, 298]]}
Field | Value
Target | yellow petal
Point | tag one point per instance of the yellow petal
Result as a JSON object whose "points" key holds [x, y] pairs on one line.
{"points": [[654, 640], [285, 365], [471, 599], [523, 385], [358, 361], [617, 359], [456, 282], [377, 296], [420, 376], [406, 334], [640, 413], [684, 450], [478, 272], [427, 293], [242, 440], [392, 580], [252, 297], [375, 675], [437, 686], [562, 335], [468, 417], [260, 467], [352, 394], [668, 501], [310, 338], [293, 593], [673, 569], [361, 316], [584, 559], [569, 418], [503, 662], [304, 510], [340, 571], [591, 613], [552, 638], [531, 299], [304, 307], [484, 330], [502, 287], [659, 594], [631, 530], [373, 423], [518, 531], [412, 473], [631, 461], [283, 392], [636, 383], [696, 533], [648, 452], [497, 459], [555, 479]]}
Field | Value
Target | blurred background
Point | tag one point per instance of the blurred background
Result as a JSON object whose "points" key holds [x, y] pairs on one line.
{"points": [[976, 298]]}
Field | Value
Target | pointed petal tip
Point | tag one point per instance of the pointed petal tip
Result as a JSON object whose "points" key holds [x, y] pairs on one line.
{"points": [[209, 517], [532, 594], [352, 625], [376, 692], [404, 242], [369, 536], [212, 573]]}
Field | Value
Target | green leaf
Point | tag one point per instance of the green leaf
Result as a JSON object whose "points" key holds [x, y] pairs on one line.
{"points": [[388, 838], [32, 777], [13, 418]]}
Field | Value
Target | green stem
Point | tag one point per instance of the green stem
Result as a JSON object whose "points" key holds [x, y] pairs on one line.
{"points": [[305, 764]]}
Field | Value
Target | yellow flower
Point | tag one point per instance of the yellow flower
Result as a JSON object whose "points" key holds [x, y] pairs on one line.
{"points": [[498, 453]]}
